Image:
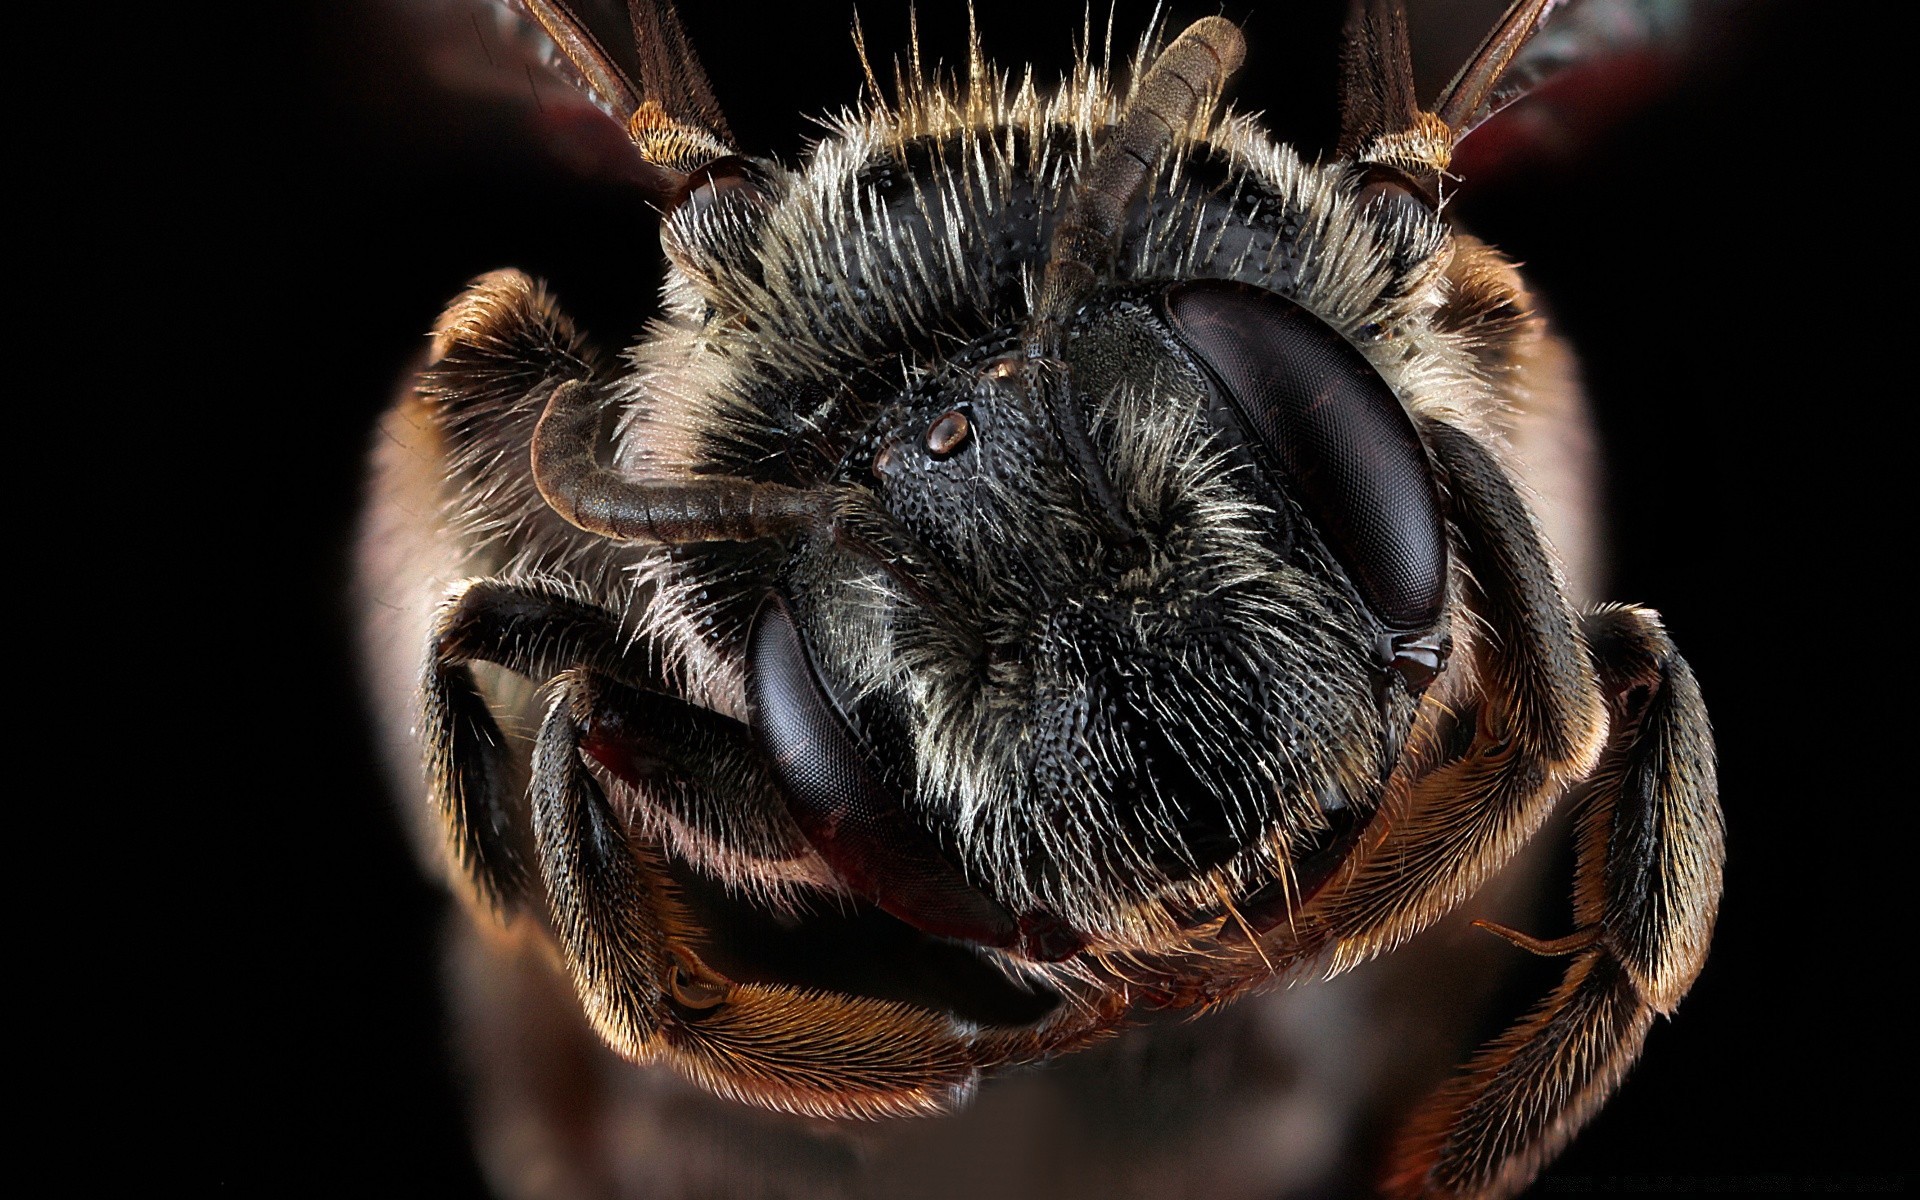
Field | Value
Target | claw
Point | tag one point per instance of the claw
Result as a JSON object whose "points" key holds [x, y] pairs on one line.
{"points": [[1560, 947]]}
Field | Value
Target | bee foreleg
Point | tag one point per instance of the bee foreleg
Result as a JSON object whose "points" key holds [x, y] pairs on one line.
{"points": [[614, 919], [696, 773], [630, 945], [698, 782], [1647, 887], [533, 628]]}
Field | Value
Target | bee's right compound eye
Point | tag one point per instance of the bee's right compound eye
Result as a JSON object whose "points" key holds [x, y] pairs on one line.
{"points": [[1327, 419]]}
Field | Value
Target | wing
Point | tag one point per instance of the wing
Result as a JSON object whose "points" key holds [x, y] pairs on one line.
{"points": [[620, 100]]}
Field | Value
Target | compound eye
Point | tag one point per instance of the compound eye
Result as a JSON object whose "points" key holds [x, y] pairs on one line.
{"points": [[858, 825], [1327, 419]]}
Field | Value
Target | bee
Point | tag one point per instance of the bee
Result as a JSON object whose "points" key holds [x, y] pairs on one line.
{"points": [[1055, 559]]}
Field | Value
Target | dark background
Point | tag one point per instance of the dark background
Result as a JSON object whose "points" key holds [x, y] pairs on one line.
{"points": [[1700, 252]]}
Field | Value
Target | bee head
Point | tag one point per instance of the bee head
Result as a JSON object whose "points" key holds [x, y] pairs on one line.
{"points": [[1139, 570], [1107, 698]]}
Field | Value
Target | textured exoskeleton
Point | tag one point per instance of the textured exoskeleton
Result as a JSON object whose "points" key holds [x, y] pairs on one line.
{"points": [[1052, 559]]}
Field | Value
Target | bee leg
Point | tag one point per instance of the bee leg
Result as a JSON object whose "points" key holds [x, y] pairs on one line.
{"points": [[696, 773], [628, 943], [630, 946], [701, 784], [532, 628], [1538, 731], [1653, 838], [1650, 840], [498, 352]]}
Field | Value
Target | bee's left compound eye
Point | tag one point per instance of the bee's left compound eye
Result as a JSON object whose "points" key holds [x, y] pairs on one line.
{"points": [[1330, 423]]}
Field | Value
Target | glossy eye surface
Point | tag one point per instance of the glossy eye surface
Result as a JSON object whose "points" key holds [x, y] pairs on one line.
{"points": [[1327, 419], [855, 822]]}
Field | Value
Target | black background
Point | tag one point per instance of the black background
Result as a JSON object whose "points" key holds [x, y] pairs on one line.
{"points": [[1701, 254]]}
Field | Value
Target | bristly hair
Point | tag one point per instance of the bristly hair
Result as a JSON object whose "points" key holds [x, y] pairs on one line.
{"points": [[887, 249], [883, 252], [858, 263]]}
